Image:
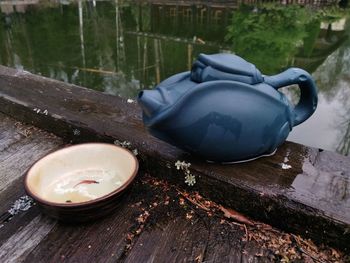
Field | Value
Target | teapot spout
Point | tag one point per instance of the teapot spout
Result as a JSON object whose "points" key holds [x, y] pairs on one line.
{"points": [[150, 101]]}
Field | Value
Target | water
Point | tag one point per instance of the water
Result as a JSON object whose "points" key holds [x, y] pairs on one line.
{"points": [[82, 185], [121, 48]]}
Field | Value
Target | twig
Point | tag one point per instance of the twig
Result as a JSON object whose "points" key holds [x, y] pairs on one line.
{"points": [[246, 232], [196, 203]]}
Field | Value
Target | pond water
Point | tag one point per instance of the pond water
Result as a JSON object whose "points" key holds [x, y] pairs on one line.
{"points": [[120, 48]]}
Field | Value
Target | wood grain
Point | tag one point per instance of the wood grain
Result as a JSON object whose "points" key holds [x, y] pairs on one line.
{"points": [[166, 235], [152, 223], [19, 245], [20, 146], [261, 189]]}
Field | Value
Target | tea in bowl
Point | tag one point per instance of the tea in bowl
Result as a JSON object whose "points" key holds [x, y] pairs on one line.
{"points": [[82, 182]]}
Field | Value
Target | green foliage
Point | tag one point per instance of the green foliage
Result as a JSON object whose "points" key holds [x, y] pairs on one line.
{"points": [[269, 36], [333, 13]]}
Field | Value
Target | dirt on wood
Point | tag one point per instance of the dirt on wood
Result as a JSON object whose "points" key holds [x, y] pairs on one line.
{"points": [[165, 201]]}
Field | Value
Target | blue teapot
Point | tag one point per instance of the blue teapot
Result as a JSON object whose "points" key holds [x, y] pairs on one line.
{"points": [[225, 110]]}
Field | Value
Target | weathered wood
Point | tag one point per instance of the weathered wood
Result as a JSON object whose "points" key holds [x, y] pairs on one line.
{"points": [[103, 240], [166, 234], [178, 241], [261, 189], [153, 222], [20, 146], [19, 245]]}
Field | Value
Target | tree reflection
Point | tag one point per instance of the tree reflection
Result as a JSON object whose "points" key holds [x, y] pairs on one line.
{"points": [[344, 127], [274, 37], [270, 36], [344, 145], [333, 80]]}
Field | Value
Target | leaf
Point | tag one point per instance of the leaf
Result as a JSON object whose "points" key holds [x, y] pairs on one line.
{"points": [[232, 214], [87, 182]]}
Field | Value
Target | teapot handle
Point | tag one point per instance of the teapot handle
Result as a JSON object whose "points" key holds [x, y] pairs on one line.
{"points": [[308, 91]]}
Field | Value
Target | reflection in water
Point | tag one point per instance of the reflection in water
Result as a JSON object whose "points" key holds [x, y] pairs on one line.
{"points": [[324, 185], [269, 37], [81, 33], [119, 48], [328, 186], [332, 116], [344, 145], [318, 179]]}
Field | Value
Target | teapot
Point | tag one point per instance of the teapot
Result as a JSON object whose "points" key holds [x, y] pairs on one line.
{"points": [[225, 110]]}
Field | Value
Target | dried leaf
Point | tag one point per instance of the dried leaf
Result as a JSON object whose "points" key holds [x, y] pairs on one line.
{"points": [[86, 182], [232, 214]]}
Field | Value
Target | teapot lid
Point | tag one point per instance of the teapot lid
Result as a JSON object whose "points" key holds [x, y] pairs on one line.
{"points": [[224, 67]]}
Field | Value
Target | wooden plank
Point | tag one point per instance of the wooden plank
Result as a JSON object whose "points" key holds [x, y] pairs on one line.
{"points": [[155, 223], [20, 146], [21, 243], [152, 223], [20, 156], [263, 189], [144, 229], [183, 240], [179, 240], [13, 222], [103, 240], [8, 132]]}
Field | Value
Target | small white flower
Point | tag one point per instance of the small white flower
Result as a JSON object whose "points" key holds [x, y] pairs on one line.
{"points": [[125, 144], [286, 166], [135, 152], [76, 132], [178, 165], [130, 101], [182, 165], [190, 179]]}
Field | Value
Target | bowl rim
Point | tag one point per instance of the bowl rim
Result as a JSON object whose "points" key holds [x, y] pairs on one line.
{"points": [[85, 203]]}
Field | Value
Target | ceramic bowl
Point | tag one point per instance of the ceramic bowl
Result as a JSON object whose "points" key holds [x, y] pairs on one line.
{"points": [[81, 182]]}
